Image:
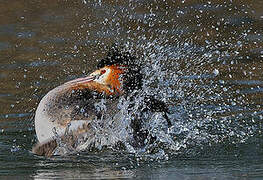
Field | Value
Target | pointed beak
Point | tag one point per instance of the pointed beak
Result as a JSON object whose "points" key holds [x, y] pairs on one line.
{"points": [[81, 80]]}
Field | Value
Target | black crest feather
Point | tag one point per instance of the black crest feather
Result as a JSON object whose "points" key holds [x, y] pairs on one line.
{"points": [[132, 79], [116, 56]]}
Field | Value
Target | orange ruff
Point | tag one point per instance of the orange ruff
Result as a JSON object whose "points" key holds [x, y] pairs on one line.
{"points": [[114, 77]]}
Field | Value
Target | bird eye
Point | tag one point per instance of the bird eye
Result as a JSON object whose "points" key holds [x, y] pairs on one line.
{"points": [[102, 71]]}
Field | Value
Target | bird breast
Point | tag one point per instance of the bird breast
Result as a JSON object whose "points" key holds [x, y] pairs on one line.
{"points": [[70, 105]]}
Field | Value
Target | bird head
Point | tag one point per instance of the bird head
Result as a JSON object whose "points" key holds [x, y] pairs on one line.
{"points": [[104, 80], [118, 73], [110, 76]]}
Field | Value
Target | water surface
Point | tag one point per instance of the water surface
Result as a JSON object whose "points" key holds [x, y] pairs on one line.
{"points": [[204, 59]]}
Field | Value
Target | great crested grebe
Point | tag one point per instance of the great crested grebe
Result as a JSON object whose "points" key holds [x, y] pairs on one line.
{"points": [[71, 106]]}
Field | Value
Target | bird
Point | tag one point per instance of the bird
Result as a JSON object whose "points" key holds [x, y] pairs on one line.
{"points": [[70, 107]]}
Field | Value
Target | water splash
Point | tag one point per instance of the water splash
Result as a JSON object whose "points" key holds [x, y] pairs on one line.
{"points": [[205, 110]]}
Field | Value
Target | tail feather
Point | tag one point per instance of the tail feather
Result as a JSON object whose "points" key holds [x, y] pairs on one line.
{"points": [[46, 148]]}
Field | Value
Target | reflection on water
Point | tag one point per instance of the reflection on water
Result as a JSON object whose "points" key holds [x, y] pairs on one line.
{"points": [[204, 59]]}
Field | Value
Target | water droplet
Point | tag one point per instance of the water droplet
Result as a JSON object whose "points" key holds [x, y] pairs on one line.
{"points": [[215, 72]]}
